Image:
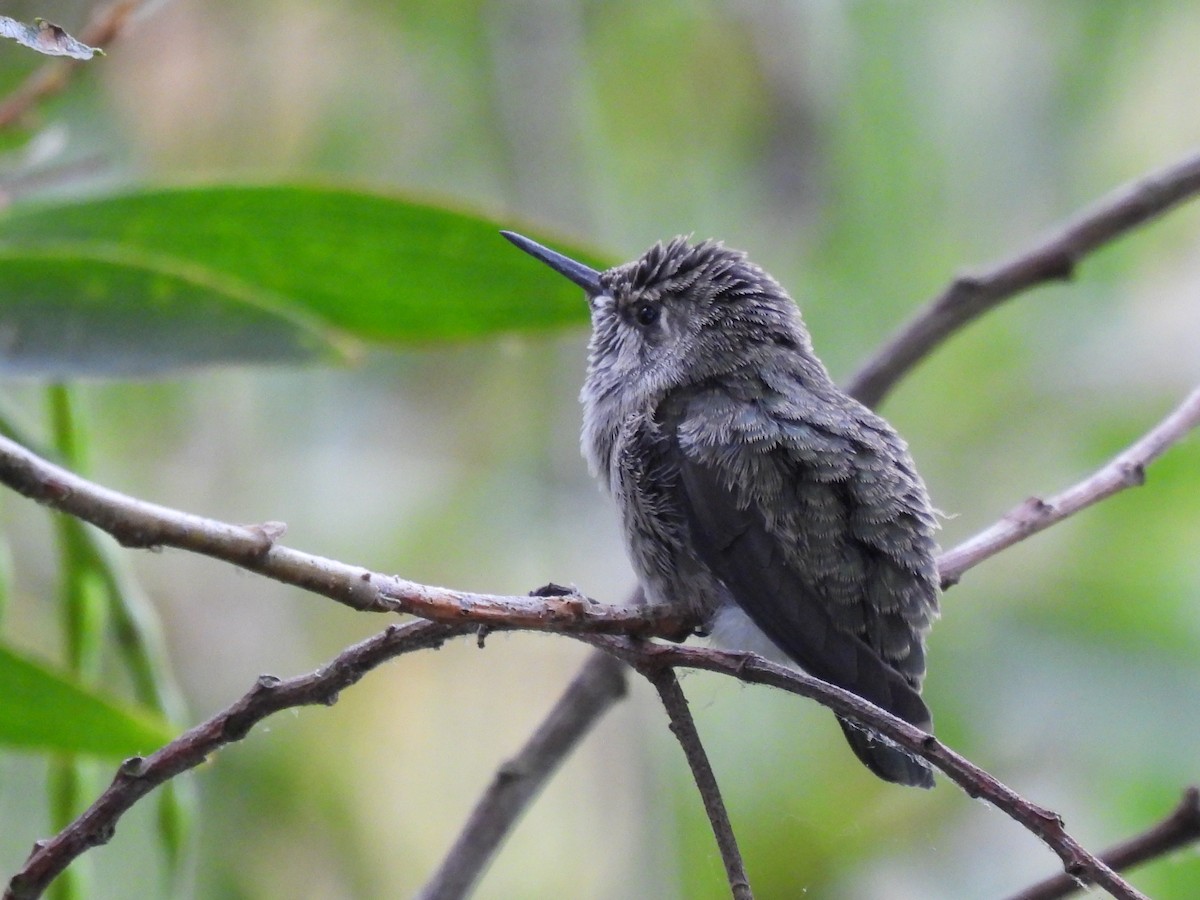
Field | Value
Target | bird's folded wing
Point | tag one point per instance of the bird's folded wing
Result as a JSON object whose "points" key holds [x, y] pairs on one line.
{"points": [[735, 540]]}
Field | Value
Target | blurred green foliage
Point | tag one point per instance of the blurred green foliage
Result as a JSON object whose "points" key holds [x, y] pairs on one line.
{"points": [[864, 153]]}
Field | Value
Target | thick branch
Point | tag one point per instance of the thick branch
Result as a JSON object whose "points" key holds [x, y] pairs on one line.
{"points": [[1044, 824], [599, 684], [136, 523], [1055, 257], [684, 729], [1178, 830], [1127, 469], [138, 776]]}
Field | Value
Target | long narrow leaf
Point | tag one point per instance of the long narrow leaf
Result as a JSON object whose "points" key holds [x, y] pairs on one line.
{"points": [[44, 710], [103, 310], [162, 279]]}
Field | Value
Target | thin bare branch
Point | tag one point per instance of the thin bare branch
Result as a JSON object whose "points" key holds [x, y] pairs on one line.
{"points": [[1043, 823], [140, 524], [1177, 830], [136, 523], [599, 684], [1127, 469], [137, 776], [684, 728], [1053, 258]]}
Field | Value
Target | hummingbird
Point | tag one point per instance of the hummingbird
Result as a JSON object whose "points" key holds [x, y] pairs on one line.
{"points": [[754, 494]]}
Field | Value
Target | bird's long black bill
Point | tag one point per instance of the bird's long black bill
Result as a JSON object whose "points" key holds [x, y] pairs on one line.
{"points": [[584, 276]]}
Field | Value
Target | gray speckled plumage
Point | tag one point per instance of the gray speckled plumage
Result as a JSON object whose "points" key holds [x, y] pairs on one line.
{"points": [[746, 480]]}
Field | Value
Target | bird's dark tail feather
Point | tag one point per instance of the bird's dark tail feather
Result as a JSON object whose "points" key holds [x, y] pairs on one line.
{"points": [[886, 760]]}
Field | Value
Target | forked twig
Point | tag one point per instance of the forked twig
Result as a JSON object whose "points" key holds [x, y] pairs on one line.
{"points": [[1127, 469], [1043, 823], [1053, 258], [140, 524], [1177, 830]]}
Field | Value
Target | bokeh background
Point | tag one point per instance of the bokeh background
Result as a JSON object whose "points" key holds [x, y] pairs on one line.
{"points": [[864, 153]]}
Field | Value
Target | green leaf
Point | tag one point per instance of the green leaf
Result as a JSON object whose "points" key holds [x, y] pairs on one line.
{"points": [[45, 710], [161, 279], [83, 310]]}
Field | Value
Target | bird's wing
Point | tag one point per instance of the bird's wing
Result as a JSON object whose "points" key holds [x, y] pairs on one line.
{"points": [[807, 526]]}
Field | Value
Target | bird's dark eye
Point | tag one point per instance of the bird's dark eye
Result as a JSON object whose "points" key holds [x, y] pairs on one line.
{"points": [[646, 313]]}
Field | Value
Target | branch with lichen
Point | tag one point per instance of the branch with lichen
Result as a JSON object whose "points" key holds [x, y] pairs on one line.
{"points": [[105, 26]]}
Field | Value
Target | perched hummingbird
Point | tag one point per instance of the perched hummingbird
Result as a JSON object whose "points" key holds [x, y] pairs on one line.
{"points": [[754, 494]]}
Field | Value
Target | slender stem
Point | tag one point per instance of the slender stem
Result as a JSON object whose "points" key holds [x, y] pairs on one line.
{"points": [[684, 728], [5, 577], [82, 611], [81, 604]]}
